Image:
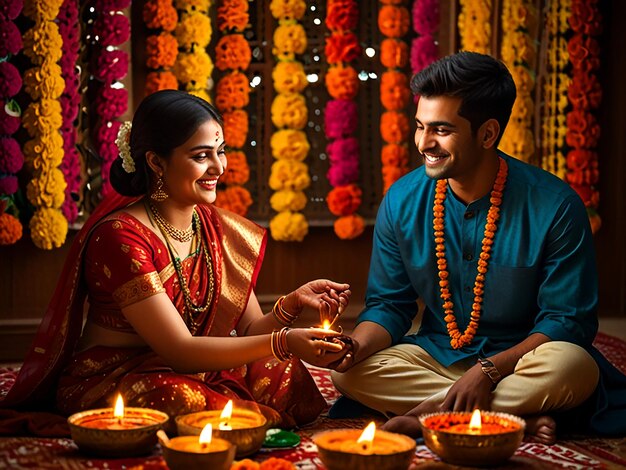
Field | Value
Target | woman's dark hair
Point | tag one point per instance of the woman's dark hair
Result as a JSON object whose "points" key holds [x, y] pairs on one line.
{"points": [[484, 84], [163, 121]]}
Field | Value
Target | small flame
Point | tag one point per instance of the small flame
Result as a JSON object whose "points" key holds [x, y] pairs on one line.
{"points": [[206, 435], [475, 422], [118, 412], [367, 436], [227, 412], [326, 325]]}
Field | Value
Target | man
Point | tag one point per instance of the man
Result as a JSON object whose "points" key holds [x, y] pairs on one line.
{"points": [[501, 254]]}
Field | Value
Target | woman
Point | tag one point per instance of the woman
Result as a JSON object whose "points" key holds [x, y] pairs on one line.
{"points": [[173, 322]]}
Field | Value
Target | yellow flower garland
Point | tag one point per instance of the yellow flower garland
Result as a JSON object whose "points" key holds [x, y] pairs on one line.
{"points": [[289, 175], [43, 119], [556, 83], [518, 52], [193, 66], [474, 24]]}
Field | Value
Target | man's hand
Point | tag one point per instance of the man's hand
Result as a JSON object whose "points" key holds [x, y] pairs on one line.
{"points": [[471, 391]]}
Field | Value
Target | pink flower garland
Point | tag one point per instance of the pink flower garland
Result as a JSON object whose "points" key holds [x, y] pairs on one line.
{"points": [[11, 157], [110, 64], [425, 23], [584, 93], [340, 121], [69, 28]]}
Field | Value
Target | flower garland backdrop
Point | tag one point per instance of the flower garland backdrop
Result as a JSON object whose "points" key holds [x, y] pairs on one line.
{"points": [[424, 51], [289, 175], [584, 94], [395, 95], [11, 157], [232, 56], [474, 23], [160, 17], [519, 51], [42, 120], [340, 118]]}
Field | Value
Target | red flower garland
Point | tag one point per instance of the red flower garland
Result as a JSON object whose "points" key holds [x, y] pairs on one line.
{"points": [[340, 118], [585, 95]]}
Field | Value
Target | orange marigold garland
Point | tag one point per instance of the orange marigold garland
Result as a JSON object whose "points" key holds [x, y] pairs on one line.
{"points": [[394, 23], [289, 177], [160, 18], [519, 53], [458, 339], [233, 56], [340, 116], [585, 94]]}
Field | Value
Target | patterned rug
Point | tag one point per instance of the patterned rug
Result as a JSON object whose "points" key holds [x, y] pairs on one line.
{"points": [[575, 454]]}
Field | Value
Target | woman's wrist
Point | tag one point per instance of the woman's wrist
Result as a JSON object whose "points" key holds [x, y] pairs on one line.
{"points": [[282, 315], [278, 344]]}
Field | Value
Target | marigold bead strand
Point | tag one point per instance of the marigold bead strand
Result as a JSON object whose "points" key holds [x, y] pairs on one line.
{"points": [[458, 339]]}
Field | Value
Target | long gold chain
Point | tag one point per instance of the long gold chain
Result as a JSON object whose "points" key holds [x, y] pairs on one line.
{"points": [[182, 236], [190, 307]]}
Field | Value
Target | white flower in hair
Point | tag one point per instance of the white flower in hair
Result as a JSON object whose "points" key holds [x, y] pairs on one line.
{"points": [[123, 145]]}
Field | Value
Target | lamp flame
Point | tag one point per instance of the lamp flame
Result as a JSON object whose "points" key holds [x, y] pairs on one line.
{"points": [[326, 325], [475, 423], [118, 411], [367, 437], [227, 412], [206, 435]]}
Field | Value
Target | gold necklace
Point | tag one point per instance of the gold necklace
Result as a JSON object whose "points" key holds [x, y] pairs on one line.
{"points": [[182, 236], [458, 339], [190, 307]]}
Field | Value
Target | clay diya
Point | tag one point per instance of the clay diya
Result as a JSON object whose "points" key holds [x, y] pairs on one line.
{"points": [[242, 427], [118, 431], [369, 449], [481, 438], [197, 452]]}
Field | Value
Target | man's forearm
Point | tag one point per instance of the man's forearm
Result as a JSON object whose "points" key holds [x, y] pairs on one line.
{"points": [[370, 338]]}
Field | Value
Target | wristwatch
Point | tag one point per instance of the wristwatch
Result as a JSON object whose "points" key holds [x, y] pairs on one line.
{"points": [[489, 369]]}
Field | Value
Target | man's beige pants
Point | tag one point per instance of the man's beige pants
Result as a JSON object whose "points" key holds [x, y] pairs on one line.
{"points": [[555, 376]]}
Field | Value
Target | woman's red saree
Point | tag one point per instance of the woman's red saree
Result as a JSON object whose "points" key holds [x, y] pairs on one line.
{"points": [[91, 378]]}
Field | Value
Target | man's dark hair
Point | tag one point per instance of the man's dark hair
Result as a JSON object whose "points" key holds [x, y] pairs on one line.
{"points": [[484, 84]]}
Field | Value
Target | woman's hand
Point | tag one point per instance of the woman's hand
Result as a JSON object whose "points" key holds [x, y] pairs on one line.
{"points": [[329, 298], [316, 346]]}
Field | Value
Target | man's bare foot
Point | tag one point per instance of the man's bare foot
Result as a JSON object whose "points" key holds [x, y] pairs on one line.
{"points": [[541, 429], [405, 424]]}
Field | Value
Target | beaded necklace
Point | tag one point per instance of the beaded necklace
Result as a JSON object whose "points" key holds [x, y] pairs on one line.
{"points": [[458, 339], [190, 308], [182, 236]]}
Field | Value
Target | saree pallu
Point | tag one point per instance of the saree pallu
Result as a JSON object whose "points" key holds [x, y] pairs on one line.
{"points": [[92, 377]]}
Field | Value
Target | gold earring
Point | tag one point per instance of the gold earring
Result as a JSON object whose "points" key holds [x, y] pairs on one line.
{"points": [[159, 195]]}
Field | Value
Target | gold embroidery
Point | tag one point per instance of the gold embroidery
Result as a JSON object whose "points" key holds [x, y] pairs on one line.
{"points": [[116, 225], [135, 266], [107, 271], [261, 385], [138, 289], [125, 248]]}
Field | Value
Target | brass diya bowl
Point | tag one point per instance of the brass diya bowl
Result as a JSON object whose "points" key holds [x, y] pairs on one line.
{"points": [[500, 437], [181, 453], [247, 433], [338, 450], [97, 432]]}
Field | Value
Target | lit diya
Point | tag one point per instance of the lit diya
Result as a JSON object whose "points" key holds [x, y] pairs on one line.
{"points": [[118, 431], [481, 438], [244, 428], [197, 452], [343, 449]]}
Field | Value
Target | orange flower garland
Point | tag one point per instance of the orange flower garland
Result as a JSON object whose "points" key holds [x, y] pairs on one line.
{"points": [[233, 56], [458, 339], [394, 22], [161, 46]]}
